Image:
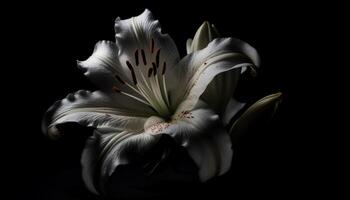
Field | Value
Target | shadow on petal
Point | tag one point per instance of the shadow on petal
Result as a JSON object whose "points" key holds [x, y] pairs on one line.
{"points": [[166, 169]]}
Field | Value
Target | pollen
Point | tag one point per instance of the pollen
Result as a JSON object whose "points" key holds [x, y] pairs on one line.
{"points": [[159, 127], [185, 114]]}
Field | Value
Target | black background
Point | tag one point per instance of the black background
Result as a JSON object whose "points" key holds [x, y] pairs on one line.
{"points": [[273, 161]]}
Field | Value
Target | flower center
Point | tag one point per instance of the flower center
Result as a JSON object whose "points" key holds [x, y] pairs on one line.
{"points": [[147, 70]]}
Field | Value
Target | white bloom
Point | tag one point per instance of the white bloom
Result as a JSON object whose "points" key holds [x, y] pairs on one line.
{"points": [[146, 91]]}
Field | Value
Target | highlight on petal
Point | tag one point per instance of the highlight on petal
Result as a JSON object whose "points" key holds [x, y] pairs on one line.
{"points": [[202, 134], [96, 109], [265, 107], [190, 78]]}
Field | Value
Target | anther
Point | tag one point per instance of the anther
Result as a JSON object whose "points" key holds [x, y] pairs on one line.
{"points": [[137, 57], [164, 68], [152, 45], [150, 72], [154, 68], [157, 58], [132, 72], [143, 57]]}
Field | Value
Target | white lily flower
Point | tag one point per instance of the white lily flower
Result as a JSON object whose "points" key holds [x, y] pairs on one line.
{"points": [[146, 91]]}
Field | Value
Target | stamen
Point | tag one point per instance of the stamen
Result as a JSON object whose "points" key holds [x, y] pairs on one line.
{"points": [[165, 93], [150, 72], [137, 57], [146, 91], [152, 45], [143, 57], [154, 68], [132, 72], [158, 92], [164, 68], [157, 58], [164, 84], [162, 107], [119, 79], [151, 99], [116, 89], [136, 98]]}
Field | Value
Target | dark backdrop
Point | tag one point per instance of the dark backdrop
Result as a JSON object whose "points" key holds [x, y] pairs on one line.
{"points": [[51, 37]]}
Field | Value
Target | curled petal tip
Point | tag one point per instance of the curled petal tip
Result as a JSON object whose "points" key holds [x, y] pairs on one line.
{"points": [[80, 66], [82, 92], [53, 133], [253, 70], [70, 97], [276, 97], [269, 101], [206, 23]]}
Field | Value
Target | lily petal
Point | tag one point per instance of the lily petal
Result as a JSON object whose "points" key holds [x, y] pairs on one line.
{"points": [[141, 42], [103, 68], [109, 148], [190, 78], [96, 109], [202, 134]]}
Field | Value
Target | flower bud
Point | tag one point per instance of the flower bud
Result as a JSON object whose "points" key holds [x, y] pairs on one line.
{"points": [[204, 35]]}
